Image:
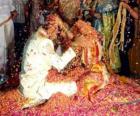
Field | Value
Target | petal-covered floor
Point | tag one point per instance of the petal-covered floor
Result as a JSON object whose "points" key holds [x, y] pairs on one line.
{"points": [[120, 97]]}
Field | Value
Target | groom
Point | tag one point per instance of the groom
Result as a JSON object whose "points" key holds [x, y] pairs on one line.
{"points": [[38, 58]]}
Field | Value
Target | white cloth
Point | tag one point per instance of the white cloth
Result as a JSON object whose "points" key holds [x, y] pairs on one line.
{"points": [[6, 30], [39, 58], [6, 6], [19, 5], [6, 38], [2, 48]]}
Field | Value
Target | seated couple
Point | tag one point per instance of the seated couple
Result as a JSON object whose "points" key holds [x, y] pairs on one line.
{"points": [[41, 55]]}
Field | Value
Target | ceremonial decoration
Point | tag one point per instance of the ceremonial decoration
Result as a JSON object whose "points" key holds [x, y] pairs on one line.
{"points": [[67, 68]]}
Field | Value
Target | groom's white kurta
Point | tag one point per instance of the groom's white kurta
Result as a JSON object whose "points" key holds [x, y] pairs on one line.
{"points": [[39, 58]]}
